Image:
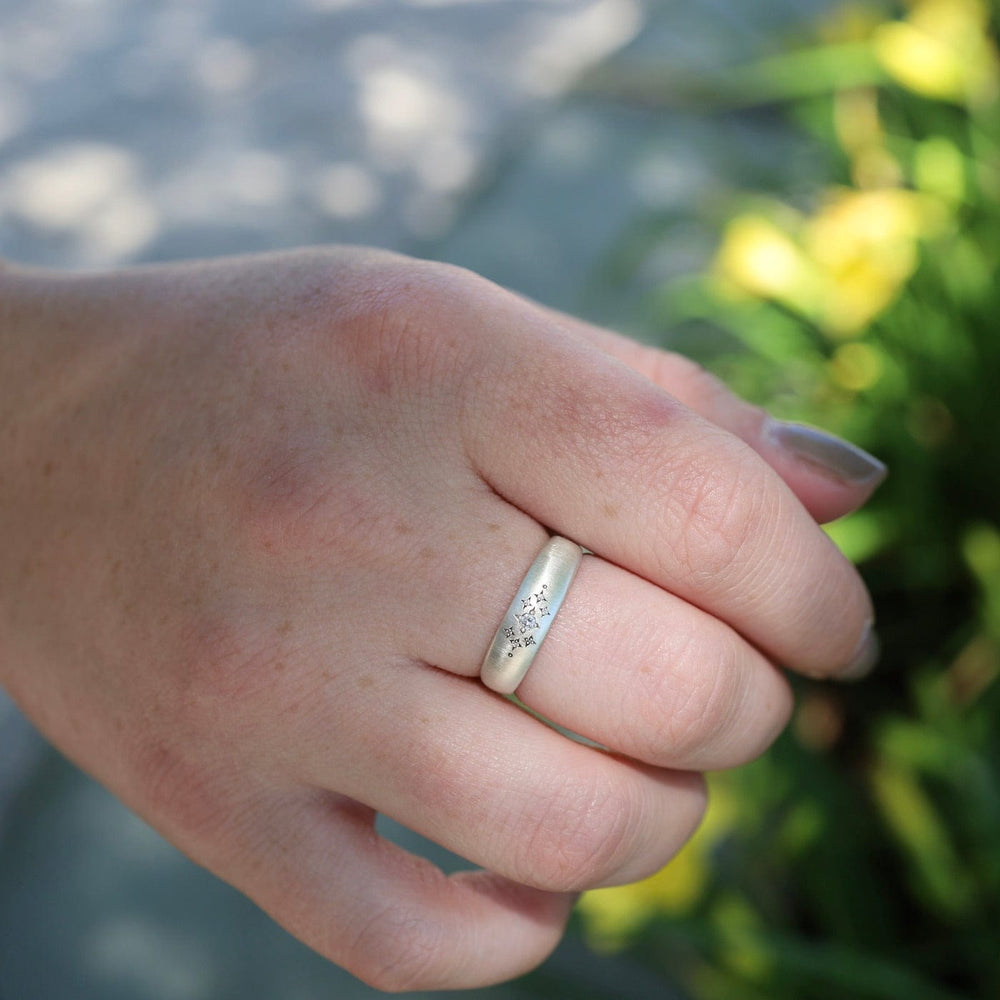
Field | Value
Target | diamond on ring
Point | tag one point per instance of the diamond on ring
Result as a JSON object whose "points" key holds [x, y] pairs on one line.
{"points": [[530, 615]]}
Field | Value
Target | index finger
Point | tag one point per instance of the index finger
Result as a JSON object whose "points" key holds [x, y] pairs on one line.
{"points": [[595, 451], [830, 476]]}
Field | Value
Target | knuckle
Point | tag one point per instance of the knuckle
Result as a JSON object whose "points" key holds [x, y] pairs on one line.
{"points": [[400, 949], [579, 836], [666, 839], [611, 428], [697, 708], [700, 698], [405, 332], [720, 505], [392, 337]]}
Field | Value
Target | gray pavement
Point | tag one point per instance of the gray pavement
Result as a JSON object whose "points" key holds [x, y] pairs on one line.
{"points": [[137, 131], [151, 130]]}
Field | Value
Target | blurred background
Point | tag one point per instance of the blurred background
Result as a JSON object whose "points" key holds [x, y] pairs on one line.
{"points": [[805, 196]]}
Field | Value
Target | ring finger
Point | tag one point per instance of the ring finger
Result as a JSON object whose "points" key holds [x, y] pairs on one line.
{"points": [[625, 663]]}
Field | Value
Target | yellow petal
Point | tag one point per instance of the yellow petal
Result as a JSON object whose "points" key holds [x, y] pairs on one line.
{"points": [[759, 258], [941, 51]]}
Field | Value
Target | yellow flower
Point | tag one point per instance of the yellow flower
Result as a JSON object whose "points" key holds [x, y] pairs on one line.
{"points": [[842, 266], [864, 244], [760, 259], [941, 50]]}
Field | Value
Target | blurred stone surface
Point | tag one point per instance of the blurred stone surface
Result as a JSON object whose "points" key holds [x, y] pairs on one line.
{"points": [[176, 128]]}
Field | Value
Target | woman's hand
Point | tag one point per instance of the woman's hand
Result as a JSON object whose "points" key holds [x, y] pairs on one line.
{"points": [[259, 521]]}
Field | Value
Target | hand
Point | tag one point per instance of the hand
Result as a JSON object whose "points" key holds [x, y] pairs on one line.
{"points": [[261, 518]]}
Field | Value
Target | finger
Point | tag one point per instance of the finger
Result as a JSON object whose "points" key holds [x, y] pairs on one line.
{"points": [[646, 674], [626, 664], [600, 454], [830, 476], [391, 918], [472, 772]]}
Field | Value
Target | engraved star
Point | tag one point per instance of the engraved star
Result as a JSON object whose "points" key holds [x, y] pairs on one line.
{"points": [[527, 621]]}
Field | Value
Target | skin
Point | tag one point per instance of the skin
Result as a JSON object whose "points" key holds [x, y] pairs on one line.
{"points": [[260, 518]]}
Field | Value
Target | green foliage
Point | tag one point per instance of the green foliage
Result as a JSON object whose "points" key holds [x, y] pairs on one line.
{"points": [[861, 857]]}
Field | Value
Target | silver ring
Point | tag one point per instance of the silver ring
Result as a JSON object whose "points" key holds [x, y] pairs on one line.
{"points": [[530, 615]]}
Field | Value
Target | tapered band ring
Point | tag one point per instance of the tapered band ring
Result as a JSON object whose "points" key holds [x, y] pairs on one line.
{"points": [[530, 615]]}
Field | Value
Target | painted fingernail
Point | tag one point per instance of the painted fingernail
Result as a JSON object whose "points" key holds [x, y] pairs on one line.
{"points": [[865, 657], [831, 455]]}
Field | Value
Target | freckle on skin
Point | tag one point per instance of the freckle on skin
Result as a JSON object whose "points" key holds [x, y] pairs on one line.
{"points": [[404, 529], [427, 553], [284, 628], [492, 527], [365, 682], [611, 510], [47, 469]]}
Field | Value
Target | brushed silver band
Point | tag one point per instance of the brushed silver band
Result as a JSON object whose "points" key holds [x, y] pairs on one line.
{"points": [[530, 615]]}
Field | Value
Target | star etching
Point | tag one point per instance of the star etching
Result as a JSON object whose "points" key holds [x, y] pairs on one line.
{"points": [[534, 608]]}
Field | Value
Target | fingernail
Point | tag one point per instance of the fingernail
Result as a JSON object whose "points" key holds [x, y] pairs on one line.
{"points": [[831, 455], [865, 657]]}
